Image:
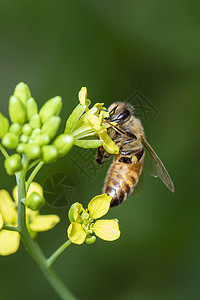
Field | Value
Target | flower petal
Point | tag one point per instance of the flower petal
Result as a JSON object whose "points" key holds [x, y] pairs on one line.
{"points": [[99, 206], [82, 95], [107, 230], [1, 221], [77, 211], [7, 208], [43, 223], [108, 144], [34, 187], [76, 233], [9, 242]]}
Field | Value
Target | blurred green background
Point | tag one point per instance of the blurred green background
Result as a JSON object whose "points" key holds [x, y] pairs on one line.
{"points": [[114, 48]]}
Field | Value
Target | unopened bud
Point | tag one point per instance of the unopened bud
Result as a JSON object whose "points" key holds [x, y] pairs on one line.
{"points": [[13, 164], [20, 148], [49, 153], [27, 129], [16, 128], [51, 108], [35, 121], [4, 125], [90, 239], [63, 143], [35, 133], [22, 92], [34, 201], [32, 150], [51, 126], [10, 140], [42, 139], [17, 110], [31, 108], [24, 138]]}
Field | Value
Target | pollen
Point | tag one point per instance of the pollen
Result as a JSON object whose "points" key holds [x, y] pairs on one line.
{"points": [[134, 159]]}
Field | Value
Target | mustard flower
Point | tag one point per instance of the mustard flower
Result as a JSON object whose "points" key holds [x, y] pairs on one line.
{"points": [[85, 123], [10, 240], [84, 224]]}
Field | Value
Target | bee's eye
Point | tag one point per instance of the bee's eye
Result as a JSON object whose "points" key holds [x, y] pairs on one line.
{"points": [[113, 110]]}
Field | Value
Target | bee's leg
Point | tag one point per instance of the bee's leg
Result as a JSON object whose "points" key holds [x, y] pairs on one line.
{"points": [[137, 152], [101, 155]]}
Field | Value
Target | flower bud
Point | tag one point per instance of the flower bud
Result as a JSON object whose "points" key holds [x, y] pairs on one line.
{"points": [[51, 108], [16, 128], [90, 239], [71, 211], [20, 148], [49, 153], [4, 125], [24, 138], [27, 129], [51, 126], [32, 150], [42, 139], [22, 92], [34, 201], [13, 164], [63, 143], [35, 121], [17, 110], [35, 133], [31, 108], [10, 140]]}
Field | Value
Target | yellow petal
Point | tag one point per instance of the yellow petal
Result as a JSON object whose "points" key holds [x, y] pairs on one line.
{"points": [[108, 144], [78, 209], [43, 223], [7, 208], [82, 95], [107, 230], [9, 242], [76, 233], [34, 187], [99, 206], [1, 221]]}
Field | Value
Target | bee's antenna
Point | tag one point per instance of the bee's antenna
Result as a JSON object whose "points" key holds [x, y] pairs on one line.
{"points": [[115, 127]]}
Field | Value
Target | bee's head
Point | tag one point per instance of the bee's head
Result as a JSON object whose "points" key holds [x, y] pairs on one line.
{"points": [[120, 112]]}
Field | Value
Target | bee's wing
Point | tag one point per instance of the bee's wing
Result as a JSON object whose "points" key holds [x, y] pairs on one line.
{"points": [[159, 167]]}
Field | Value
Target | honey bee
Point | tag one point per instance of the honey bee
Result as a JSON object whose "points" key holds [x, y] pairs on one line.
{"points": [[126, 168]]}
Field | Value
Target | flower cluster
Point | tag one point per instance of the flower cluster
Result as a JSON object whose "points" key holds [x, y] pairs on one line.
{"points": [[32, 131], [84, 225], [9, 240]]}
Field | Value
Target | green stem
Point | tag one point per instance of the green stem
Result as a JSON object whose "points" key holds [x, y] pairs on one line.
{"points": [[33, 164], [33, 174], [32, 247], [60, 250], [4, 152], [10, 228]]}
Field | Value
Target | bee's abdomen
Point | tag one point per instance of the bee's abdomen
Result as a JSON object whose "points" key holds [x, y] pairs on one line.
{"points": [[121, 180]]}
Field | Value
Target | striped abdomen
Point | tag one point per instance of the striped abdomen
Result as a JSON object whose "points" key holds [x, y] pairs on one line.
{"points": [[122, 177]]}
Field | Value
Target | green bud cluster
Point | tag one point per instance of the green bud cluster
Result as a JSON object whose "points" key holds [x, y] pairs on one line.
{"points": [[32, 131]]}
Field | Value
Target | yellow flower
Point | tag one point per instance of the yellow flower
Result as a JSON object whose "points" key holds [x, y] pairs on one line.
{"points": [[9, 240], [84, 225], [85, 122]]}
